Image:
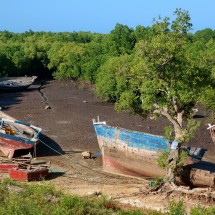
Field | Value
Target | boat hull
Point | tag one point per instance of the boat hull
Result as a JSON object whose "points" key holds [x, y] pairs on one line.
{"points": [[15, 88], [130, 164], [135, 153], [16, 135], [129, 152], [16, 83], [5, 167], [24, 174], [9, 144]]}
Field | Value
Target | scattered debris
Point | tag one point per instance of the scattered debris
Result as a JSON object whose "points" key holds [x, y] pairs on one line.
{"points": [[47, 107], [3, 108], [94, 193], [86, 155], [52, 199], [14, 188], [171, 190], [22, 169], [90, 155], [133, 202]]}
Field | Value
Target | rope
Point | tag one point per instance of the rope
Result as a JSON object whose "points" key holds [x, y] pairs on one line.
{"points": [[98, 171], [35, 151], [51, 148]]}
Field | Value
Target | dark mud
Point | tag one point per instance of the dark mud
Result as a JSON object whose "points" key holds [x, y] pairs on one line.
{"points": [[67, 123], [68, 130]]}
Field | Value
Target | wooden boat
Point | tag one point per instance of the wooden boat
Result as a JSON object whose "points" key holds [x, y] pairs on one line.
{"points": [[16, 135], [28, 173], [212, 131], [6, 166], [16, 83], [135, 153]]}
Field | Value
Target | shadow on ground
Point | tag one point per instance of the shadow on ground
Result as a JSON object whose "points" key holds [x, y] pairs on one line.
{"points": [[48, 147]]}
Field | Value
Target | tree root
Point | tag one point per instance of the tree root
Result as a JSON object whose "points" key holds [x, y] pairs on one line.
{"points": [[204, 195]]}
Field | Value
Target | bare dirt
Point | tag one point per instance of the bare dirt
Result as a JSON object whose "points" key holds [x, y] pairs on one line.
{"points": [[64, 110]]}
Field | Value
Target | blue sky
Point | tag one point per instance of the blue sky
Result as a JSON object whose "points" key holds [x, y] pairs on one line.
{"points": [[98, 16]]}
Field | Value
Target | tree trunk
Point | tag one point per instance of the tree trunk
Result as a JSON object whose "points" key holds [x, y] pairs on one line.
{"points": [[174, 154]]}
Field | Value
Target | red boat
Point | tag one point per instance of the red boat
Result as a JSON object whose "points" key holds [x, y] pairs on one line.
{"points": [[28, 173], [16, 135], [5, 167]]}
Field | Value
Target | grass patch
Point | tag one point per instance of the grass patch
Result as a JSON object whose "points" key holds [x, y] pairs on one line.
{"points": [[27, 199]]}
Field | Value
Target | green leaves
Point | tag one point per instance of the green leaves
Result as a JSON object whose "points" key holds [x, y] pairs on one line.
{"points": [[166, 75], [65, 58]]}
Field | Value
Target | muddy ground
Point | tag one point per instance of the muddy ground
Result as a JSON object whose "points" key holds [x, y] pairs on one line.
{"points": [[68, 130]]}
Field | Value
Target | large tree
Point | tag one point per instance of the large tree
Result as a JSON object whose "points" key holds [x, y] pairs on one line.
{"points": [[170, 77]]}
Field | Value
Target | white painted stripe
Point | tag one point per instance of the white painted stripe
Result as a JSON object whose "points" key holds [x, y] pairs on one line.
{"points": [[8, 120], [99, 123], [34, 139], [36, 128], [210, 126], [2, 131]]}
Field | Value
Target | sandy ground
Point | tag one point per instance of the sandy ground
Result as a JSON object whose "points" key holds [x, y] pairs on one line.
{"points": [[68, 131]]}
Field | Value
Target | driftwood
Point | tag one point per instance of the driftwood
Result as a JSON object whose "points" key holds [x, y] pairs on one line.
{"points": [[171, 190]]}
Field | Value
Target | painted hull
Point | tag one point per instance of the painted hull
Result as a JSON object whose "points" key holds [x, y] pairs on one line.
{"points": [[16, 83], [9, 144], [16, 135], [5, 167], [24, 174], [132, 153]]}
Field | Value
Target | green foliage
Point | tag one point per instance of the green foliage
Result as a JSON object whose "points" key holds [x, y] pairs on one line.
{"points": [[169, 75], [32, 199], [110, 83], [181, 160], [189, 131], [168, 132], [106, 81], [176, 208], [123, 38], [162, 159], [65, 58], [158, 182], [199, 210], [205, 35], [143, 33]]}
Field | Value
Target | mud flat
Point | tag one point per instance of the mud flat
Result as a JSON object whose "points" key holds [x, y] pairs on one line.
{"points": [[65, 111]]}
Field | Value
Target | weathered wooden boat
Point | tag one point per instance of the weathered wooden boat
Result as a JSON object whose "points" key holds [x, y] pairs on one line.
{"points": [[135, 153], [212, 131], [6, 166], [28, 173], [16, 135], [16, 83]]}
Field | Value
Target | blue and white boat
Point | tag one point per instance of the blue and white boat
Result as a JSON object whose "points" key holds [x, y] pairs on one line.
{"points": [[135, 153], [16, 135]]}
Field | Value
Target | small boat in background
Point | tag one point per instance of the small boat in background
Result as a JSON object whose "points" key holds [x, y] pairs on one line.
{"points": [[16, 83], [135, 153], [16, 135]]}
